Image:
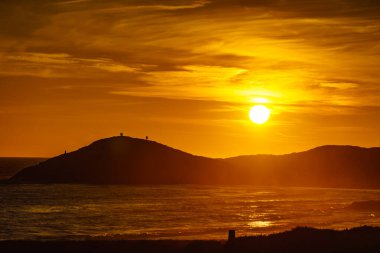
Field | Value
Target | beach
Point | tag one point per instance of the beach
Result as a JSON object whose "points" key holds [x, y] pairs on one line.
{"points": [[360, 239]]}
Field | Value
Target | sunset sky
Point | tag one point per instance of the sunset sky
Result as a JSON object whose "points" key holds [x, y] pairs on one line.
{"points": [[186, 73]]}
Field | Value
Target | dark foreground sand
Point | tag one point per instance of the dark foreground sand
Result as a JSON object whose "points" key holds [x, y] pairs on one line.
{"points": [[308, 240]]}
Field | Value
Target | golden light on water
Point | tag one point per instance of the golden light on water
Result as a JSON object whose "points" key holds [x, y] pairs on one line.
{"points": [[259, 114], [260, 224]]}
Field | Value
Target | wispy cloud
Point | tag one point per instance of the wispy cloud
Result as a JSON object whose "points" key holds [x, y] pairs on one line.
{"points": [[284, 49]]}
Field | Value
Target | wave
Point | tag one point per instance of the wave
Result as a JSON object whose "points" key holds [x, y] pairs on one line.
{"points": [[369, 205]]}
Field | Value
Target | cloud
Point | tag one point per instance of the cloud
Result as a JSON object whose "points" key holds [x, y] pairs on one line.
{"points": [[306, 8], [59, 65], [290, 52], [190, 68], [339, 85]]}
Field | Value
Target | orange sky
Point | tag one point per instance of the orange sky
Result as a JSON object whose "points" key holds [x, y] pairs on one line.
{"points": [[186, 73]]}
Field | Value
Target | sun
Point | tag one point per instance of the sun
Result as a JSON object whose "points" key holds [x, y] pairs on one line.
{"points": [[259, 114]]}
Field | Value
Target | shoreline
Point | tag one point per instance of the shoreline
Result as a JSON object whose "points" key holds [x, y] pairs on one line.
{"points": [[300, 239]]}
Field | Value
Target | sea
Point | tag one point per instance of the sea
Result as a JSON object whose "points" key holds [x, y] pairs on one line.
{"points": [[186, 212]]}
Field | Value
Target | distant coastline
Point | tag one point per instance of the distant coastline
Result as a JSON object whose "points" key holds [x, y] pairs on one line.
{"points": [[127, 160], [9, 166]]}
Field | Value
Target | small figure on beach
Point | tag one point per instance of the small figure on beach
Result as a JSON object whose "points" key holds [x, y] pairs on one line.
{"points": [[231, 235]]}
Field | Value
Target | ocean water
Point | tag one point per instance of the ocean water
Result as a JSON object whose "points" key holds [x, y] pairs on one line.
{"points": [[42, 212]]}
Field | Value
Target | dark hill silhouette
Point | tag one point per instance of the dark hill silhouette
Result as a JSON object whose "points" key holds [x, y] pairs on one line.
{"points": [[325, 166], [126, 160]]}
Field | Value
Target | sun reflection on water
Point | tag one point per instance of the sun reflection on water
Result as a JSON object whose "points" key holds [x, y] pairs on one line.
{"points": [[259, 224]]}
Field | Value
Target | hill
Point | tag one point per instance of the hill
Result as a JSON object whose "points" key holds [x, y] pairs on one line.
{"points": [[126, 160], [325, 166]]}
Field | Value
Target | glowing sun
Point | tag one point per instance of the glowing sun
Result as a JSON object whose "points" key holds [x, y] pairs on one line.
{"points": [[259, 114]]}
